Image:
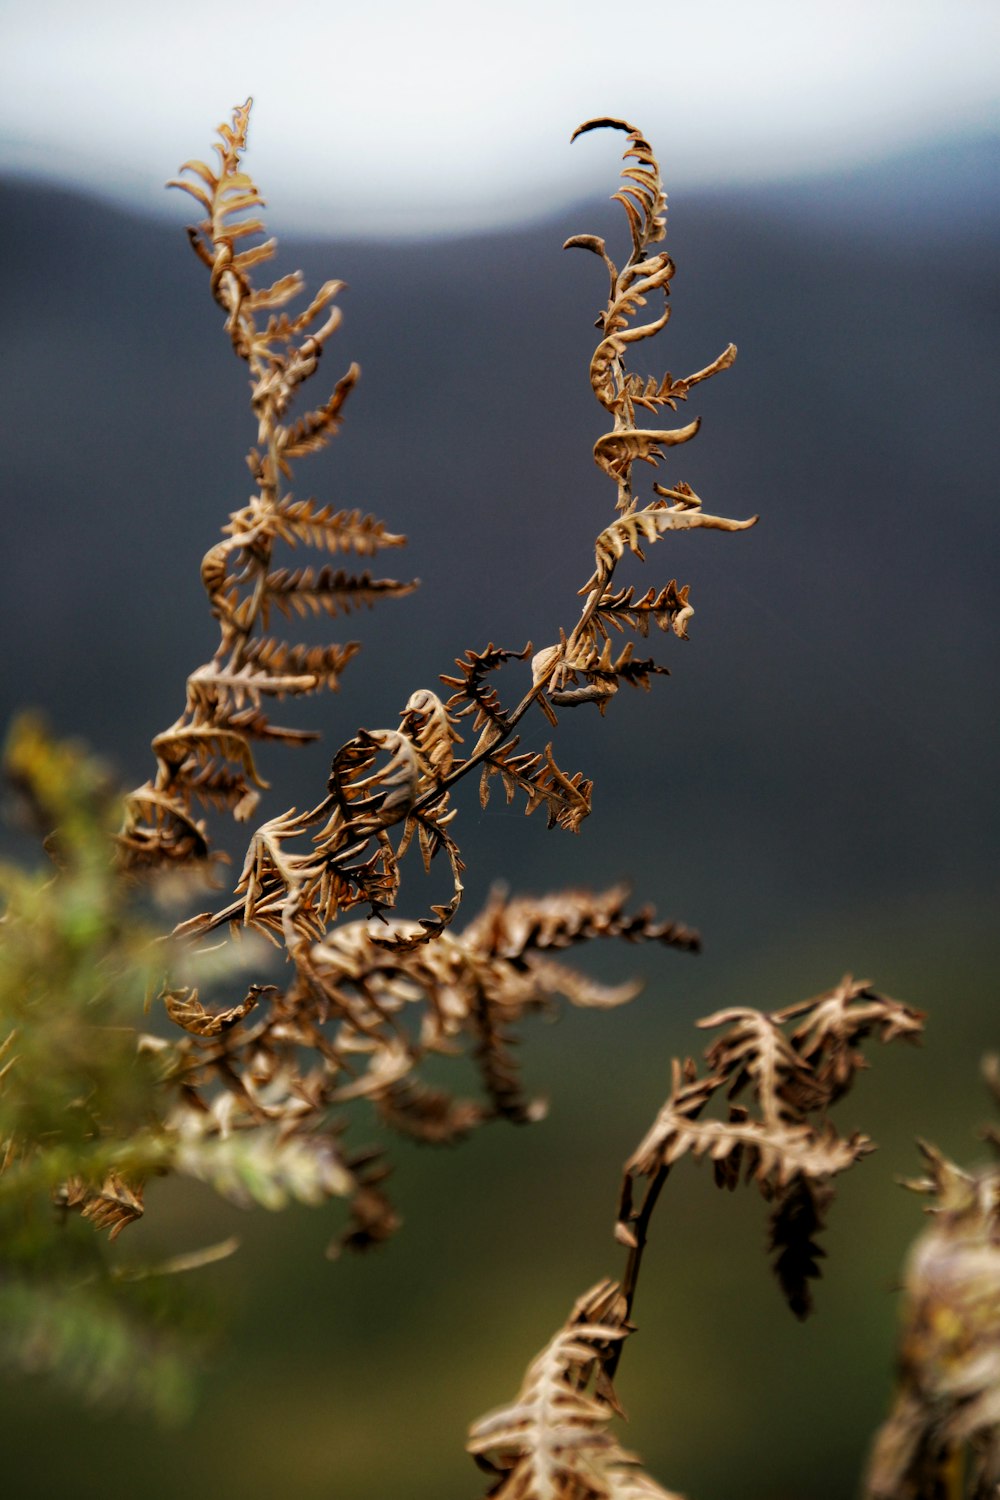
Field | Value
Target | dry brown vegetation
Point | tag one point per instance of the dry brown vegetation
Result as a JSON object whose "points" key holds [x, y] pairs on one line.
{"points": [[254, 1091]]}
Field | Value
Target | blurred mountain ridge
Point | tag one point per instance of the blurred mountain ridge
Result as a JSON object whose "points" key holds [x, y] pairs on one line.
{"points": [[954, 180], [831, 694]]}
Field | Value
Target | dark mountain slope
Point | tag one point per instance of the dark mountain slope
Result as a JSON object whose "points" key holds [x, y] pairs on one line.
{"points": [[840, 652]]}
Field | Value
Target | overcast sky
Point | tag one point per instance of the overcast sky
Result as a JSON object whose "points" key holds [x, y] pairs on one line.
{"points": [[385, 116]]}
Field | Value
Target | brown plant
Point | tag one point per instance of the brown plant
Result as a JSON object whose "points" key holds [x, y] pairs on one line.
{"points": [[256, 1089], [554, 1440], [369, 1001], [941, 1440]]}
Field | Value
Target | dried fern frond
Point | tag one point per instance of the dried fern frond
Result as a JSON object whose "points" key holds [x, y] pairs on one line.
{"points": [[566, 798], [790, 1149], [354, 857], [205, 756], [476, 986], [111, 1206], [643, 275], [579, 668], [186, 1010], [553, 1441]]}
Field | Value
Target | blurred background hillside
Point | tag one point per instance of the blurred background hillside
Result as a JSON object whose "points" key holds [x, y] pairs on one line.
{"points": [[815, 787]]}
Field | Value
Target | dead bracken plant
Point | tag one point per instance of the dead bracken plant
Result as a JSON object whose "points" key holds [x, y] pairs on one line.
{"points": [[254, 1090], [555, 1439], [206, 756], [942, 1436], [369, 1001]]}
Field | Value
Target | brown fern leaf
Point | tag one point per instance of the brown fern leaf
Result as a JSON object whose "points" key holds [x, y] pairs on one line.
{"points": [[641, 194], [306, 591], [617, 451], [840, 1019], [512, 929], [508, 937], [276, 883], [644, 274], [112, 1206], [348, 880], [792, 1151], [276, 661], [611, 387], [796, 1219], [223, 193], [601, 672], [390, 1060], [434, 839], [493, 1055], [471, 696], [669, 610], [430, 827], [629, 532], [552, 1442], [277, 294], [427, 722], [185, 746], [373, 1218], [651, 393], [283, 328], [628, 295], [546, 980], [211, 687], [754, 1052], [158, 828], [476, 985], [565, 798], [224, 788], [376, 795], [186, 1010], [257, 726], [773, 1155], [432, 1116], [942, 1434], [314, 430], [334, 530]]}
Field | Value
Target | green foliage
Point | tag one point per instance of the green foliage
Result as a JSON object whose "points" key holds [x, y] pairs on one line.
{"points": [[75, 959], [81, 1099]]}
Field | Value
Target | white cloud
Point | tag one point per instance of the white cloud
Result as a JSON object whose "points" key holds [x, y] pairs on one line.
{"points": [[453, 113]]}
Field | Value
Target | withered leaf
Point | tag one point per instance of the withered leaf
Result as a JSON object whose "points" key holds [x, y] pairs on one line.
{"points": [[186, 1010]]}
